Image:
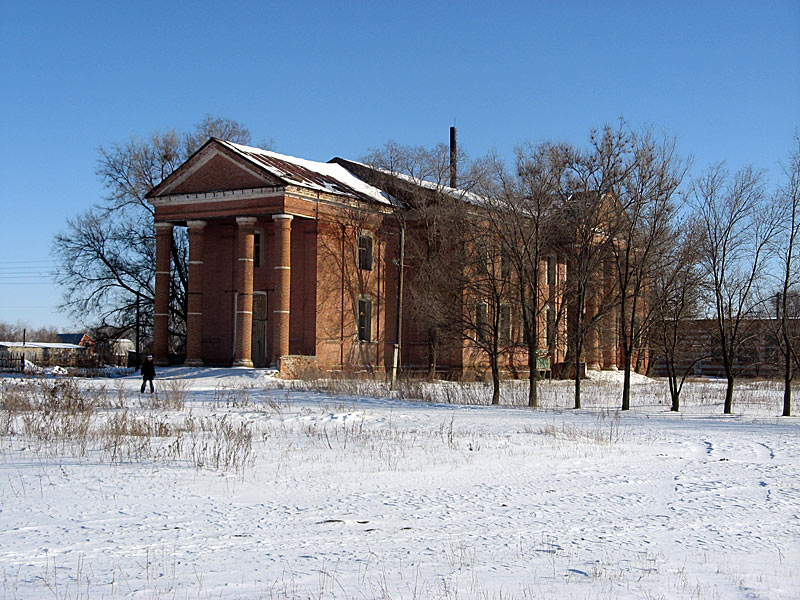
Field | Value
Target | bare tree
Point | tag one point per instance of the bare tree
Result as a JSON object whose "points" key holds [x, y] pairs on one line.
{"points": [[644, 235], [674, 292], [523, 218], [588, 206], [489, 300], [736, 229], [106, 254], [20, 331], [789, 201]]}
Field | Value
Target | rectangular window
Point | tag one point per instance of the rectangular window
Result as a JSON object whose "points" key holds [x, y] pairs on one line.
{"points": [[365, 252], [505, 324], [257, 249], [551, 270], [505, 265], [365, 320], [482, 321], [485, 259], [551, 327]]}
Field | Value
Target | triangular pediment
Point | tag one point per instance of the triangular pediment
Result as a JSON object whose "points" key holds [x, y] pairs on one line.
{"points": [[214, 168]]}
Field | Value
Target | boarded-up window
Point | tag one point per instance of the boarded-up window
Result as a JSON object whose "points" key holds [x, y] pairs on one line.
{"points": [[365, 320], [482, 321], [505, 265], [551, 270], [505, 324], [551, 326], [365, 252]]}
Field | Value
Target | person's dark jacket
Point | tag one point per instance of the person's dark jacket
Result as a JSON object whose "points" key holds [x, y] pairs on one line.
{"points": [[148, 369]]}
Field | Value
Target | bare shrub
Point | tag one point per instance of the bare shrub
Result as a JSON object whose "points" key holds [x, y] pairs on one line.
{"points": [[222, 444], [605, 432], [16, 398], [237, 396], [171, 397], [64, 395]]}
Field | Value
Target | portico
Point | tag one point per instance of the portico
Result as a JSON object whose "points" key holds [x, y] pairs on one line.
{"points": [[256, 284]]}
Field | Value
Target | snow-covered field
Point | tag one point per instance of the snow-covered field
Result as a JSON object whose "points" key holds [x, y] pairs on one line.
{"points": [[230, 484]]}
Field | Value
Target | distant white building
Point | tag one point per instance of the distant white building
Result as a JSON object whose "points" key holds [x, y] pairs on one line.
{"points": [[117, 351]]}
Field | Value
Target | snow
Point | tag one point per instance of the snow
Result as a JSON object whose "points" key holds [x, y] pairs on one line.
{"points": [[354, 495], [332, 170], [52, 345], [615, 376], [456, 193]]}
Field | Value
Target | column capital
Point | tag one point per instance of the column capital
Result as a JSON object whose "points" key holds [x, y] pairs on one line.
{"points": [[163, 225], [282, 217], [196, 224], [245, 221]]}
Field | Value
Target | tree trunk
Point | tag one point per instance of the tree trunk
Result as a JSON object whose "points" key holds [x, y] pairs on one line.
{"points": [[578, 352], [433, 352], [495, 380], [729, 396], [787, 384], [626, 385], [533, 387], [676, 400], [626, 380], [674, 390]]}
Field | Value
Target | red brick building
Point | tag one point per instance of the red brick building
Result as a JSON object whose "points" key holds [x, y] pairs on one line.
{"points": [[293, 261]]}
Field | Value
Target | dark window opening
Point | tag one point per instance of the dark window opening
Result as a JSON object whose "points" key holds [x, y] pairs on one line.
{"points": [[365, 252], [505, 324], [482, 321], [257, 249], [505, 265], [365, 320]]}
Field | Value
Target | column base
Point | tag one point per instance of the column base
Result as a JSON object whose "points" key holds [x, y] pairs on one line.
{"points": [[593, 367], [243, 362], [193, 362], [611, 368]]}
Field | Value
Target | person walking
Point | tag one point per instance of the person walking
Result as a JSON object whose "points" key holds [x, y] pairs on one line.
{"points": [[148, 373]]}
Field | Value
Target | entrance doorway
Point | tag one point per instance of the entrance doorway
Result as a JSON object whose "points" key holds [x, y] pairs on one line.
{"points": [[259, 342]]}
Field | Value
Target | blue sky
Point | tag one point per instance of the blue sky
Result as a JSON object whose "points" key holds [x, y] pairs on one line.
{"points": [[337, 78]]}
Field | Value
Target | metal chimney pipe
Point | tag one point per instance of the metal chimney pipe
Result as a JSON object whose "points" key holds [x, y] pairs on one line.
{"points": [[453, 158]]}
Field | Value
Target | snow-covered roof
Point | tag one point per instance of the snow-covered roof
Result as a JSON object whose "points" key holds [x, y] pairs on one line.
{"points": [[456, 193], [53, 345], [331, 178]]}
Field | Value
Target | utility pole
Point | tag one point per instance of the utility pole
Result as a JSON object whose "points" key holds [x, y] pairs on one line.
{"points": [[399, 321]]}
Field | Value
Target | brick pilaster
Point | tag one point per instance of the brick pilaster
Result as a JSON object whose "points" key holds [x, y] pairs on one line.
{"points": [[244, 296], [558, 292], [593, 353], [194, 318], [609, 336], [161, 301]]}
